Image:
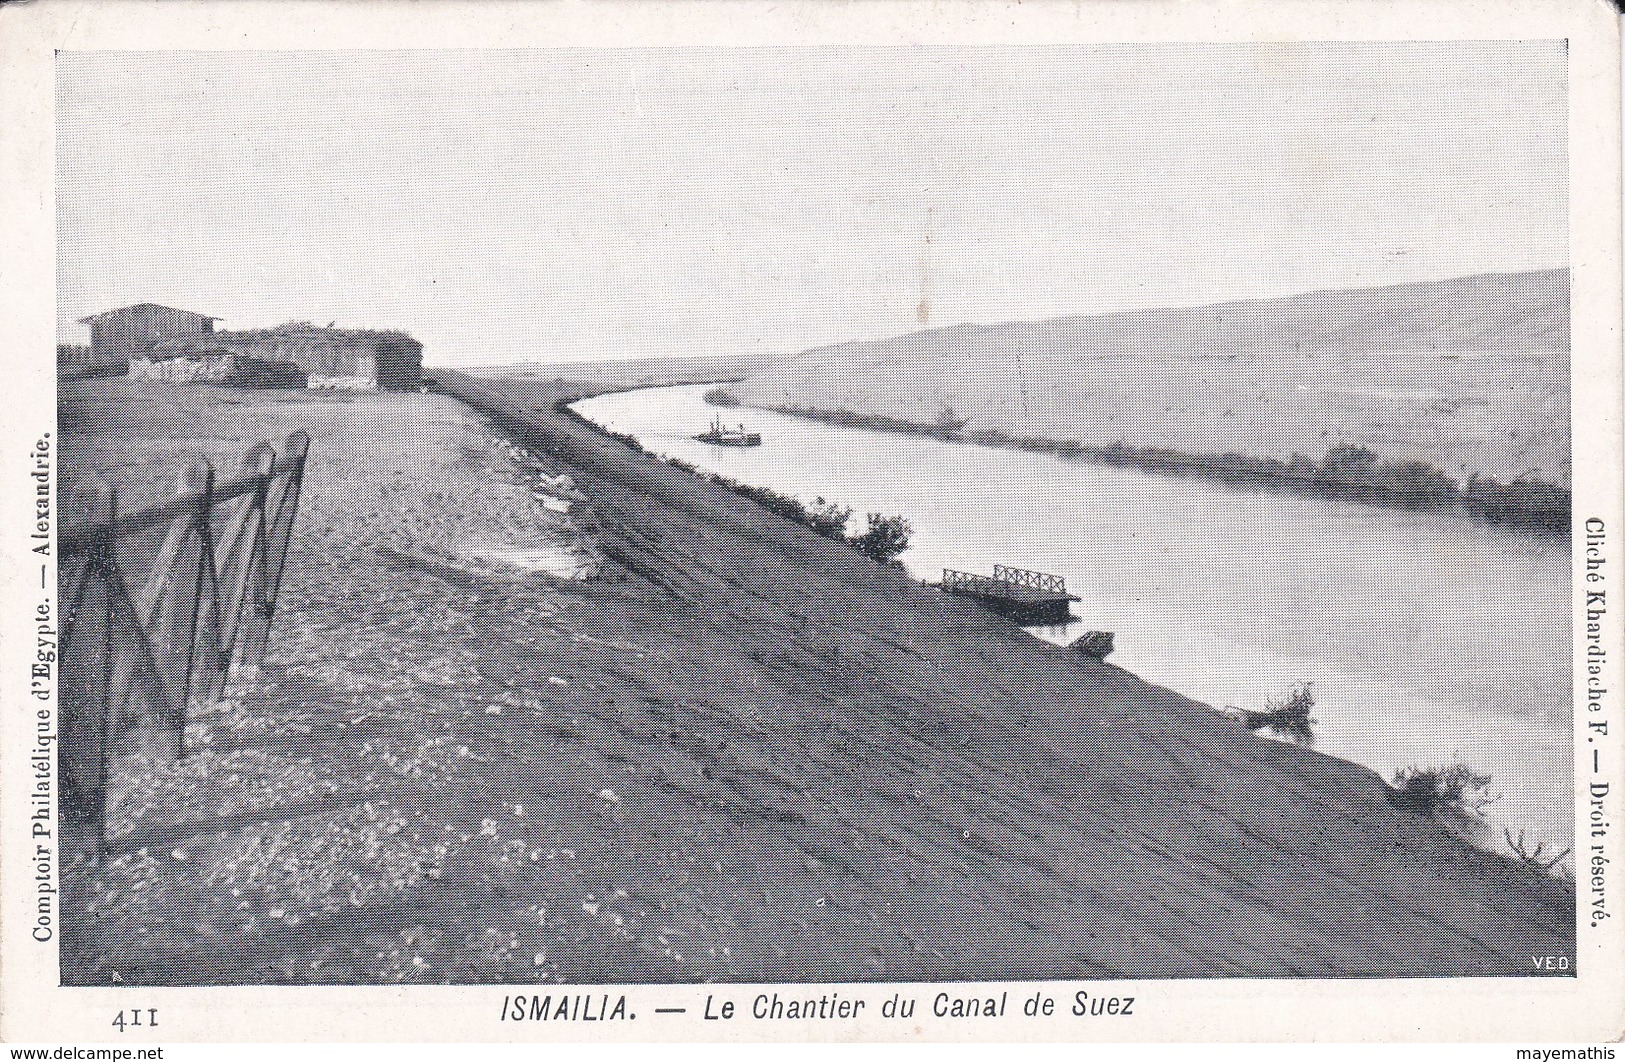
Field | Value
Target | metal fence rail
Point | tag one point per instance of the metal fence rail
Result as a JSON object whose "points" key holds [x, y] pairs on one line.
{"points": [[134, 659], [1004, 582], [1029, 579], [969, 583]]}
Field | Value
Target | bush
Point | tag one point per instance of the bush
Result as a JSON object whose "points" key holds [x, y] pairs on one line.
{"points": [[1348, 460], [778, 504], [1523, 501], [1535, 858], [623, 437], [678, 462], [885, 538], [828, 518], [1455, 792], [1289, 718], [948, 422], [1416, 478]]}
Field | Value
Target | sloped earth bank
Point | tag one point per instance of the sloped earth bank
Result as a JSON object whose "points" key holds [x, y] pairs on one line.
{"points": [[739, 752]]}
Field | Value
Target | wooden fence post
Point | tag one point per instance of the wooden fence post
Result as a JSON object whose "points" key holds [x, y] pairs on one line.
{"points": [[173, 608], [281, 506], [86, 679], [239, 556]]}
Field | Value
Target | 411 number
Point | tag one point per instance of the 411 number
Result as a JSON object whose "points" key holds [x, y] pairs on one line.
{"points": [[135, 1018]]}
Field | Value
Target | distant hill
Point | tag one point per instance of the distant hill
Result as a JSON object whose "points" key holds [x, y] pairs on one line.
{"points": [[630, 372], [1468, 374], [1493, 313]]}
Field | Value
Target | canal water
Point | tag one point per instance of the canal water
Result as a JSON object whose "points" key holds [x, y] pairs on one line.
{"points": [[1429, 637]]}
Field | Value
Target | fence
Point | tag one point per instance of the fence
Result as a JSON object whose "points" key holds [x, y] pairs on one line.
{"points": [[1003, 582], [968, 583], [134, 661], [1054, 584]]}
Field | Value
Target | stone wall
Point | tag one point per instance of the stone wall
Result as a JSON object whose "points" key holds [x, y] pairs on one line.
{"points": [[189, 368], [224, 368], [348, 358]]}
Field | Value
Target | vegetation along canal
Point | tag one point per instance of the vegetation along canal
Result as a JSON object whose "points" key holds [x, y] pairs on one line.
{"points": [[1429, 636]]}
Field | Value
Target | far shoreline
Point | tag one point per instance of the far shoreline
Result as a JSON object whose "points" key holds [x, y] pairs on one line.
{"points": [[1360, 475]]}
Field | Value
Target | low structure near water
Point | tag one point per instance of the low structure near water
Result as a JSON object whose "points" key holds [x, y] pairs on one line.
{"points": [[1028, 597]]}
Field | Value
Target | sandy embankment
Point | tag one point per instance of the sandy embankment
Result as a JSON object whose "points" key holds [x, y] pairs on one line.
{"points": [[741, 752], [1468, 375]]}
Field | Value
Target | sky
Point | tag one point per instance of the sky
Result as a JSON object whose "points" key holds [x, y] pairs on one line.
{"points": [[545, 205]]}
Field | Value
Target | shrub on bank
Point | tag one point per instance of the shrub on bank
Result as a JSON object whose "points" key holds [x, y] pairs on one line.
{"points": [[1455, 792], [623, 437], [1290, 718], [1535, 858], [828, 518], [1525, 500], [778, 504], [949, 423], [885, 538]]}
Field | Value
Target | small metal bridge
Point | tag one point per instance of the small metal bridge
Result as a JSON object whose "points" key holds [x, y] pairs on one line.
{"points": [[1028, 597]]}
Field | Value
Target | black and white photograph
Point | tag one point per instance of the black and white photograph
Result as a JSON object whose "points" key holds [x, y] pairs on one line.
{"points": [[873, 536]]}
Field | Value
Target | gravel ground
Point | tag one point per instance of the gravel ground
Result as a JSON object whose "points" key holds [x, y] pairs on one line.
{"points": [[312, 793]]}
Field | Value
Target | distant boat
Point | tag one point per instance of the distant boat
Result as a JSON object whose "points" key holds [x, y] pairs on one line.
{"points": [[717, 435]]}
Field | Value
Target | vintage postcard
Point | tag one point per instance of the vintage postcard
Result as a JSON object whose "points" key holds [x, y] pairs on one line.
{"points": [[626, 521]]}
